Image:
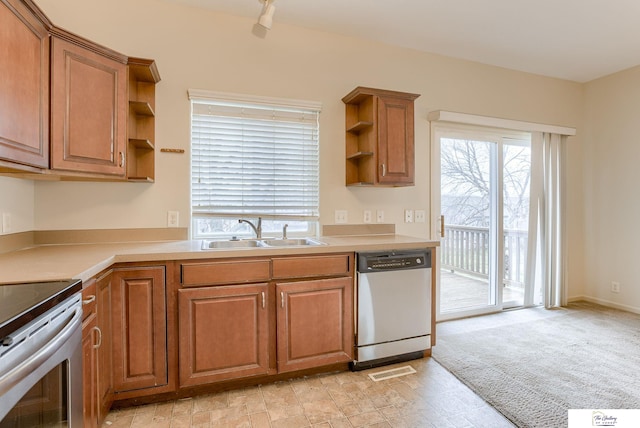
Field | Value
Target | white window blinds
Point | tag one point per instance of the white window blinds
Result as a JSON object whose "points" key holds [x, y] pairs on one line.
{"points": [[254, 159]]}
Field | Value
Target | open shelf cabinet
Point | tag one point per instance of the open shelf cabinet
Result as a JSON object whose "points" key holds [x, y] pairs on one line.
{"points": [[143, 77]]}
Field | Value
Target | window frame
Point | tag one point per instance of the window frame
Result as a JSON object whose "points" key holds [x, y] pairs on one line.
{"points": [[272, 224]]}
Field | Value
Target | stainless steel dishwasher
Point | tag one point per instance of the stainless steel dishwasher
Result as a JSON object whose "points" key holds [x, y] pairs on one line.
{"points": [[394, 307]]}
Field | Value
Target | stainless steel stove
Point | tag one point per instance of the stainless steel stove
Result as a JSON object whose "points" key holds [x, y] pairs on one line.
{"points": [[41, 354]]}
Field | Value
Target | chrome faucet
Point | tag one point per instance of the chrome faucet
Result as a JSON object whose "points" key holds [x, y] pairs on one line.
{"points": [[284, 231], [257, 228]]}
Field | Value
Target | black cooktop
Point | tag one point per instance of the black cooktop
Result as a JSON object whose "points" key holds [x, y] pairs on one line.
{"points": [[21, 303]]}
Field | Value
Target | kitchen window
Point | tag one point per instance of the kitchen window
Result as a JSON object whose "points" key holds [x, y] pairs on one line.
{"points": [[253, 157]]}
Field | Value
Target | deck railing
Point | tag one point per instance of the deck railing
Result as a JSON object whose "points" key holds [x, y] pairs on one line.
{"points": [[466, 250]]}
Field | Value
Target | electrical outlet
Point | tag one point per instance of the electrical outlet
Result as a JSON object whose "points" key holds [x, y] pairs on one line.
{"points": [[408, 216], [420, 216], [172, 218], [367, 216], [341, 216], [380, 216], [615, 287], [6, 223]]}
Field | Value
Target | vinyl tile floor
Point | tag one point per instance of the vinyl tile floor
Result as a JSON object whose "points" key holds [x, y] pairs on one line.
{"points": [[431, 397]]}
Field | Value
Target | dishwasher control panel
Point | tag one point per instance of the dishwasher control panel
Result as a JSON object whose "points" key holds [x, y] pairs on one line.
{"points": [[394, 260]]}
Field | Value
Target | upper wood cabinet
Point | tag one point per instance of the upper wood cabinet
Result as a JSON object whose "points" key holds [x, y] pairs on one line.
{"points": [[88, 108], [379, 137], [24, 87], [71, 109]]}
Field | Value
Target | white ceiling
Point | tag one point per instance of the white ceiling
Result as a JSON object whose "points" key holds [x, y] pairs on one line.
{"points": [[578, 40]]}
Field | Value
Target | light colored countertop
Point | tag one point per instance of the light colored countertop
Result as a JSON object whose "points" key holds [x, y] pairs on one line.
{"points": [[83, 261]]}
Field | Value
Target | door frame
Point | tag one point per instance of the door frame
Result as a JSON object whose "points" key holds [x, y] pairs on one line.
{"points": [[479, 133]]}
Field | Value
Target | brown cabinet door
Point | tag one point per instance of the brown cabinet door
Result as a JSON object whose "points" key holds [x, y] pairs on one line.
{"points": [[105, 351], [395, 141], [24, 86], [224, 333], [89, 372], [139, 336], [315, 323], [89, 110]]}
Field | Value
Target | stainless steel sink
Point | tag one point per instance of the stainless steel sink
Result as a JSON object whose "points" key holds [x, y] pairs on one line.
{"points": [[293, 242], [241, 243], [260, 243]]}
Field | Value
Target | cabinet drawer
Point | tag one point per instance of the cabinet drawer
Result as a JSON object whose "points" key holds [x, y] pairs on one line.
{"points": [[312, 266], [225, 272], [89, 299]]}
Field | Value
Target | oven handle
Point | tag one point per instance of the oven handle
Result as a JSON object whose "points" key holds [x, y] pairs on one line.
{"points": [[16, 375]]}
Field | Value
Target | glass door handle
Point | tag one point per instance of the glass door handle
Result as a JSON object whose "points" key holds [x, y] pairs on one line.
{"points": [[442, 226]]}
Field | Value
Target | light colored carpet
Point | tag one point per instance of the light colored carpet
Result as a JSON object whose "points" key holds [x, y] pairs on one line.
{"points": [[533, 369]]}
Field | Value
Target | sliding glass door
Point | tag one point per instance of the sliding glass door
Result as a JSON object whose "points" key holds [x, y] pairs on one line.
{"points": [[482, 188]]}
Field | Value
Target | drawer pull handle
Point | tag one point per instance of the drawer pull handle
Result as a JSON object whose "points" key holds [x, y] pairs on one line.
{"points": [[91, 299], [99, 344], [263, 301]]}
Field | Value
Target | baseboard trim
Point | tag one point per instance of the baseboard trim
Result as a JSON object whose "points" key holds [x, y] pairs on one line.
{"points": [[607, 303]]}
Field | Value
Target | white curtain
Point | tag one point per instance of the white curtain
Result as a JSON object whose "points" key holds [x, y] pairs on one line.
{"points": [[547, 258]]}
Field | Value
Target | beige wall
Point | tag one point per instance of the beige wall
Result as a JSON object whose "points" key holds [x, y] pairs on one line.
{"points": [[612, 172], [17, 199], [199, 49]]}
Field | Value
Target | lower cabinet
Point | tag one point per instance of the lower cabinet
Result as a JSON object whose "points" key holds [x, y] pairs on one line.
{"points": [[90, 371], [139, 322], [96, 350], [315, 323], [217, 320], [223, 333], [297, 314], [104, 387]]}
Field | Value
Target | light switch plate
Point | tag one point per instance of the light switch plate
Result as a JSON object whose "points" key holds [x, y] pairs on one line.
{"points": [[420, 216], [367, 216], [341, 216], [172, 218], [380, 216]]}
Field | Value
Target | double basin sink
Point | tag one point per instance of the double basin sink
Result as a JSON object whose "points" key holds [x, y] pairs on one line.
{"points": [[260, 243]]}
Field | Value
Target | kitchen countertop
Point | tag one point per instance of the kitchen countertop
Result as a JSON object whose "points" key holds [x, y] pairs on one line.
{"points": [[83, 261]]}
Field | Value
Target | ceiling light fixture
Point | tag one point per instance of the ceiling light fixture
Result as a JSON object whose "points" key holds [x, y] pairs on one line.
{"points": [[266, 19]]}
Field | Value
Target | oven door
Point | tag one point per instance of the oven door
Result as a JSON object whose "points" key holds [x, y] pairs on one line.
{"points": [[41, 370]]}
